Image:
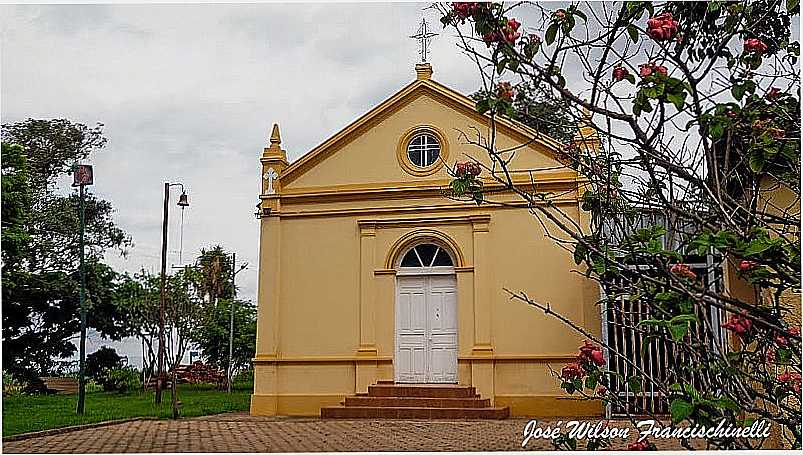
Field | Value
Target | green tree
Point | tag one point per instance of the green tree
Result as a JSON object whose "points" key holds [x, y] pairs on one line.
{"points": [[213, 335], [40, 246], [696, 106], [102, 360], [541, 110], [215, 269]]}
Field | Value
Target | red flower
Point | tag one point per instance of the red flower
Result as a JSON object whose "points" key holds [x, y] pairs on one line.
{"points": [[642, 445], [492, 37], [560, 14], [770, 356], [572, 371], [781, 340], [795, 331], [792, 380], [509, 31], [505, 91], [746, 265], [683, 270], [464, 9], [602, 390], [739, 325], [620, 72], [590, 352], [662, 27], [774, 93], [755, 45]]}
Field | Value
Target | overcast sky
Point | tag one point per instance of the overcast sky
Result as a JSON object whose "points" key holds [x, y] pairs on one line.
{"points": [[188, 94]]}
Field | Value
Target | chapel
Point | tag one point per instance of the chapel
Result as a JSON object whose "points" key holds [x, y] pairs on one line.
{"points": [[381, 297]]}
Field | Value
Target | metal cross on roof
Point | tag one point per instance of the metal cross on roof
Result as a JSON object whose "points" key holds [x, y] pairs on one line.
{"points": [[424, 36]]}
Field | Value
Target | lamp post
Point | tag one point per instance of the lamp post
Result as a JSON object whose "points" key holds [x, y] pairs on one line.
{"points": [[182, 202], [82, 176]]}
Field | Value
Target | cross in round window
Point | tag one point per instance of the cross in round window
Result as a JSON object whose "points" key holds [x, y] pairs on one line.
{"points": [[423, 150]]}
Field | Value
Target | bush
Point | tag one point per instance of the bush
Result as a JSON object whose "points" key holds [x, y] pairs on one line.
{"points": [[92, 386], [244, 377], [121, 380], [11, 386], [100, 361]]}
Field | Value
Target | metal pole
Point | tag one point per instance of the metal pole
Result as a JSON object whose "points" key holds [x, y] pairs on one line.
{"points": [[160, 373], [231, 321], [82, 361]]}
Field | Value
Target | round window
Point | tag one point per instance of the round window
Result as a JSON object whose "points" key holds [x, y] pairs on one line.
{"points": [[423, 150]]}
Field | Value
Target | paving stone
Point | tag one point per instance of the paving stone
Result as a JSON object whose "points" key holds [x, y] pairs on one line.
{"points": [[239, 432]]}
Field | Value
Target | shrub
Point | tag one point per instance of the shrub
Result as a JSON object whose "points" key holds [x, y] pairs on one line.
{"points": [[11, 386], [121, 380], [100, 361]]}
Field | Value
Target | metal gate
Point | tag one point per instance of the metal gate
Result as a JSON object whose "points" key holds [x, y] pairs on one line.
{"points": [[653, 358]]}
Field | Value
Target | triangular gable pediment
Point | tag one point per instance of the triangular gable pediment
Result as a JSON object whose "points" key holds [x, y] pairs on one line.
{"points": [[443, 97]]}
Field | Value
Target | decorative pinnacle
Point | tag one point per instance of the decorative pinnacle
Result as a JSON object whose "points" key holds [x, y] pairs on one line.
{"points": [[275, 138]]}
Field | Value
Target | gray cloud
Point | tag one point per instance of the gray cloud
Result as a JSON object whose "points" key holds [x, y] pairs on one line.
{"points": [[189, 92]]}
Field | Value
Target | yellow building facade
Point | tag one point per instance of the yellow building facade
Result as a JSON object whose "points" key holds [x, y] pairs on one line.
{"points": [[339, 295]]}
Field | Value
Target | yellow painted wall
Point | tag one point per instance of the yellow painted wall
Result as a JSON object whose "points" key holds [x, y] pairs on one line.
{"points": [[327, 284]]}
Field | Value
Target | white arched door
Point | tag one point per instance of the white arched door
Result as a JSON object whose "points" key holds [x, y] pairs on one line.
{"points": [[426, 317]]}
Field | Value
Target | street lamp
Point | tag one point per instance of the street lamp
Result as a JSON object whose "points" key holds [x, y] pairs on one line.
{"points": [[82, 176], [182, 202]]}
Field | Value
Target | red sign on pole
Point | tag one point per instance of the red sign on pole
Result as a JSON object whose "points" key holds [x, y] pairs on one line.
{"points": [[83, 175]]}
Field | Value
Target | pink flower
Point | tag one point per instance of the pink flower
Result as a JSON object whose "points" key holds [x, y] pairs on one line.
{"points": [[467, 168], [683, 270], [770, 356], [755, 45], [795, 331], [746, 265], [648, 69], [560, 14], [513, 24], [620, 72], [572, 371], [602, 390], [662, 27]]}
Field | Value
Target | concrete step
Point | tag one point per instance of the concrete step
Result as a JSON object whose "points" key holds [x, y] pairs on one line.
{"points": [[374, 412], [422, 391], [417, 402]]}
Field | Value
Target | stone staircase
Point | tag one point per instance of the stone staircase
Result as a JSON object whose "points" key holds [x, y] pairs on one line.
{"points": [[387, 400]]}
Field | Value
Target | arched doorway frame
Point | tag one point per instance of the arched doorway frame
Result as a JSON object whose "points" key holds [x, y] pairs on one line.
{"points": [[425, 309]]}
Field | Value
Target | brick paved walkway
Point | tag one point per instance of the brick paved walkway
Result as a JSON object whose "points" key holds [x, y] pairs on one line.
{"points": [[242, 433]]}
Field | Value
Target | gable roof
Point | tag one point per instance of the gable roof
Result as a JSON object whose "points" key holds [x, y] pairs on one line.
{"points": [[440, 92]]}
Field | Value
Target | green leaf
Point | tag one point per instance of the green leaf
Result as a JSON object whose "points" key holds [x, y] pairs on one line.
{"points": [[680, 410], [633, 32], [634, 382], [678, 330], [791, 4], [756, 162], [551, 32], [677, 99], [483, 106], [591, 382], [581, 14], [580, 252]]}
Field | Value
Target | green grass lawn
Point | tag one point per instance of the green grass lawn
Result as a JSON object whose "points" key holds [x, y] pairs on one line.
{"points": [[26, 413]]}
